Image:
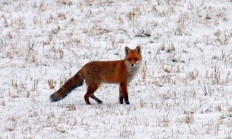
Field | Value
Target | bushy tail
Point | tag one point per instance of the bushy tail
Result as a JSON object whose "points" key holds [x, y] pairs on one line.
{"points": [[75, 81]]}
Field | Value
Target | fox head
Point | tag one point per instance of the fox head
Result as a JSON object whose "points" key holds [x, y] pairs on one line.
{"points": [[133, 57]]}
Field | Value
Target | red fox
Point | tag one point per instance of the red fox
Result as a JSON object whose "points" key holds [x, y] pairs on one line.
{"points": [[97, 72]]}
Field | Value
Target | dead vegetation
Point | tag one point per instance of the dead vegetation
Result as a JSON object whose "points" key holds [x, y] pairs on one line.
{"points": [[183, 89]]}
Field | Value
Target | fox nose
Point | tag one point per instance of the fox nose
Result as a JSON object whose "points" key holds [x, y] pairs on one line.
{"points": [[132, 65]]}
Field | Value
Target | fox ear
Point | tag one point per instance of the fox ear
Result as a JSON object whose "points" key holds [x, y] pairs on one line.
{"points": [[138, 49], [127, 49]]}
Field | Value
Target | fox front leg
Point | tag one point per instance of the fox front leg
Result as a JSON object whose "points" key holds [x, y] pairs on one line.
{"points": [[120, 95], [123, 87]]}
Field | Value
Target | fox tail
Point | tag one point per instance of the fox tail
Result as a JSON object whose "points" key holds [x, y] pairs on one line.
{"points": [[76, 81]]}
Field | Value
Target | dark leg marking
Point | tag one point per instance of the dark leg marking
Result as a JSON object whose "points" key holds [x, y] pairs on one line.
{"points": [[121, 100], [127, 99], [96, 99]]}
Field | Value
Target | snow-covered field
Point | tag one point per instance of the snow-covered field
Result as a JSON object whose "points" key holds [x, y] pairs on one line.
{"points": [[184, 89]]}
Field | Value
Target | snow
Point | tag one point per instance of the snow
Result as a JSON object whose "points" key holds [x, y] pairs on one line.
{"points": [[183, 89]]}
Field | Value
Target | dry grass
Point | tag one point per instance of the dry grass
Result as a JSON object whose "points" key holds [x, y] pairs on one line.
{"points": [[183, 89]]}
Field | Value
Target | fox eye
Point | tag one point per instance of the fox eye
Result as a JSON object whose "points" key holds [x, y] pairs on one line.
{"points": [[129, 59], [135, 59]]}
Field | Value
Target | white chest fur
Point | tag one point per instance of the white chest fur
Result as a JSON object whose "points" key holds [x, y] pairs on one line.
{"points": [[133, 71]]}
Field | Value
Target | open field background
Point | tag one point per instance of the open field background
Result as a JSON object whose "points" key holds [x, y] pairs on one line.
{"points": [[184, 89]]}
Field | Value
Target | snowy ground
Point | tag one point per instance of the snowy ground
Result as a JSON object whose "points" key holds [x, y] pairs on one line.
{"points": [[184, 89]]}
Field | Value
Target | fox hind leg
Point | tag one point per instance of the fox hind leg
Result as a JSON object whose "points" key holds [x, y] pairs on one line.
{"points": [[96, 99], [90, 90]]}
